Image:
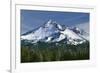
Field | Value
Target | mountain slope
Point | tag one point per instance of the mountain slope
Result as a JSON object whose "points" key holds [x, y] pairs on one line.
{"points": [[54, 32]]}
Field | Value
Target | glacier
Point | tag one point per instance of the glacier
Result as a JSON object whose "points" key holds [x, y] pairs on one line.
{"points": [[52, 31]]}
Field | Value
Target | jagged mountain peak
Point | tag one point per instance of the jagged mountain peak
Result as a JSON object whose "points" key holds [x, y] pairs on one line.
{"points": [[52, 31], [54, 24]]}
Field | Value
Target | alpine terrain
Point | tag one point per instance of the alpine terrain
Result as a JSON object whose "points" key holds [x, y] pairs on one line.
{"points": [[52, 31], [54, 42]]}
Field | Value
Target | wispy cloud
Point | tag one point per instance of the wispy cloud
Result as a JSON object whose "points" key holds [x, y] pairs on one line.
{"points": [[84, 26]]}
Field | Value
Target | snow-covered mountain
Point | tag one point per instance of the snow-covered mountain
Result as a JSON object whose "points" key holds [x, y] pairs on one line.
{"points": [[51, 31]]}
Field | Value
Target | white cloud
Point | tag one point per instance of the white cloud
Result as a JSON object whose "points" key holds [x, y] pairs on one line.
{"points": [[84, 26]]}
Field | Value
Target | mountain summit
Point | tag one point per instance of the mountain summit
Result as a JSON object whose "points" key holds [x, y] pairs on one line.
{"points": [[51, 23], [51, 31]]}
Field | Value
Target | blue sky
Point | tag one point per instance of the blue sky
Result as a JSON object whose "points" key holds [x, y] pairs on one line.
{"points": [[31, 19]]}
